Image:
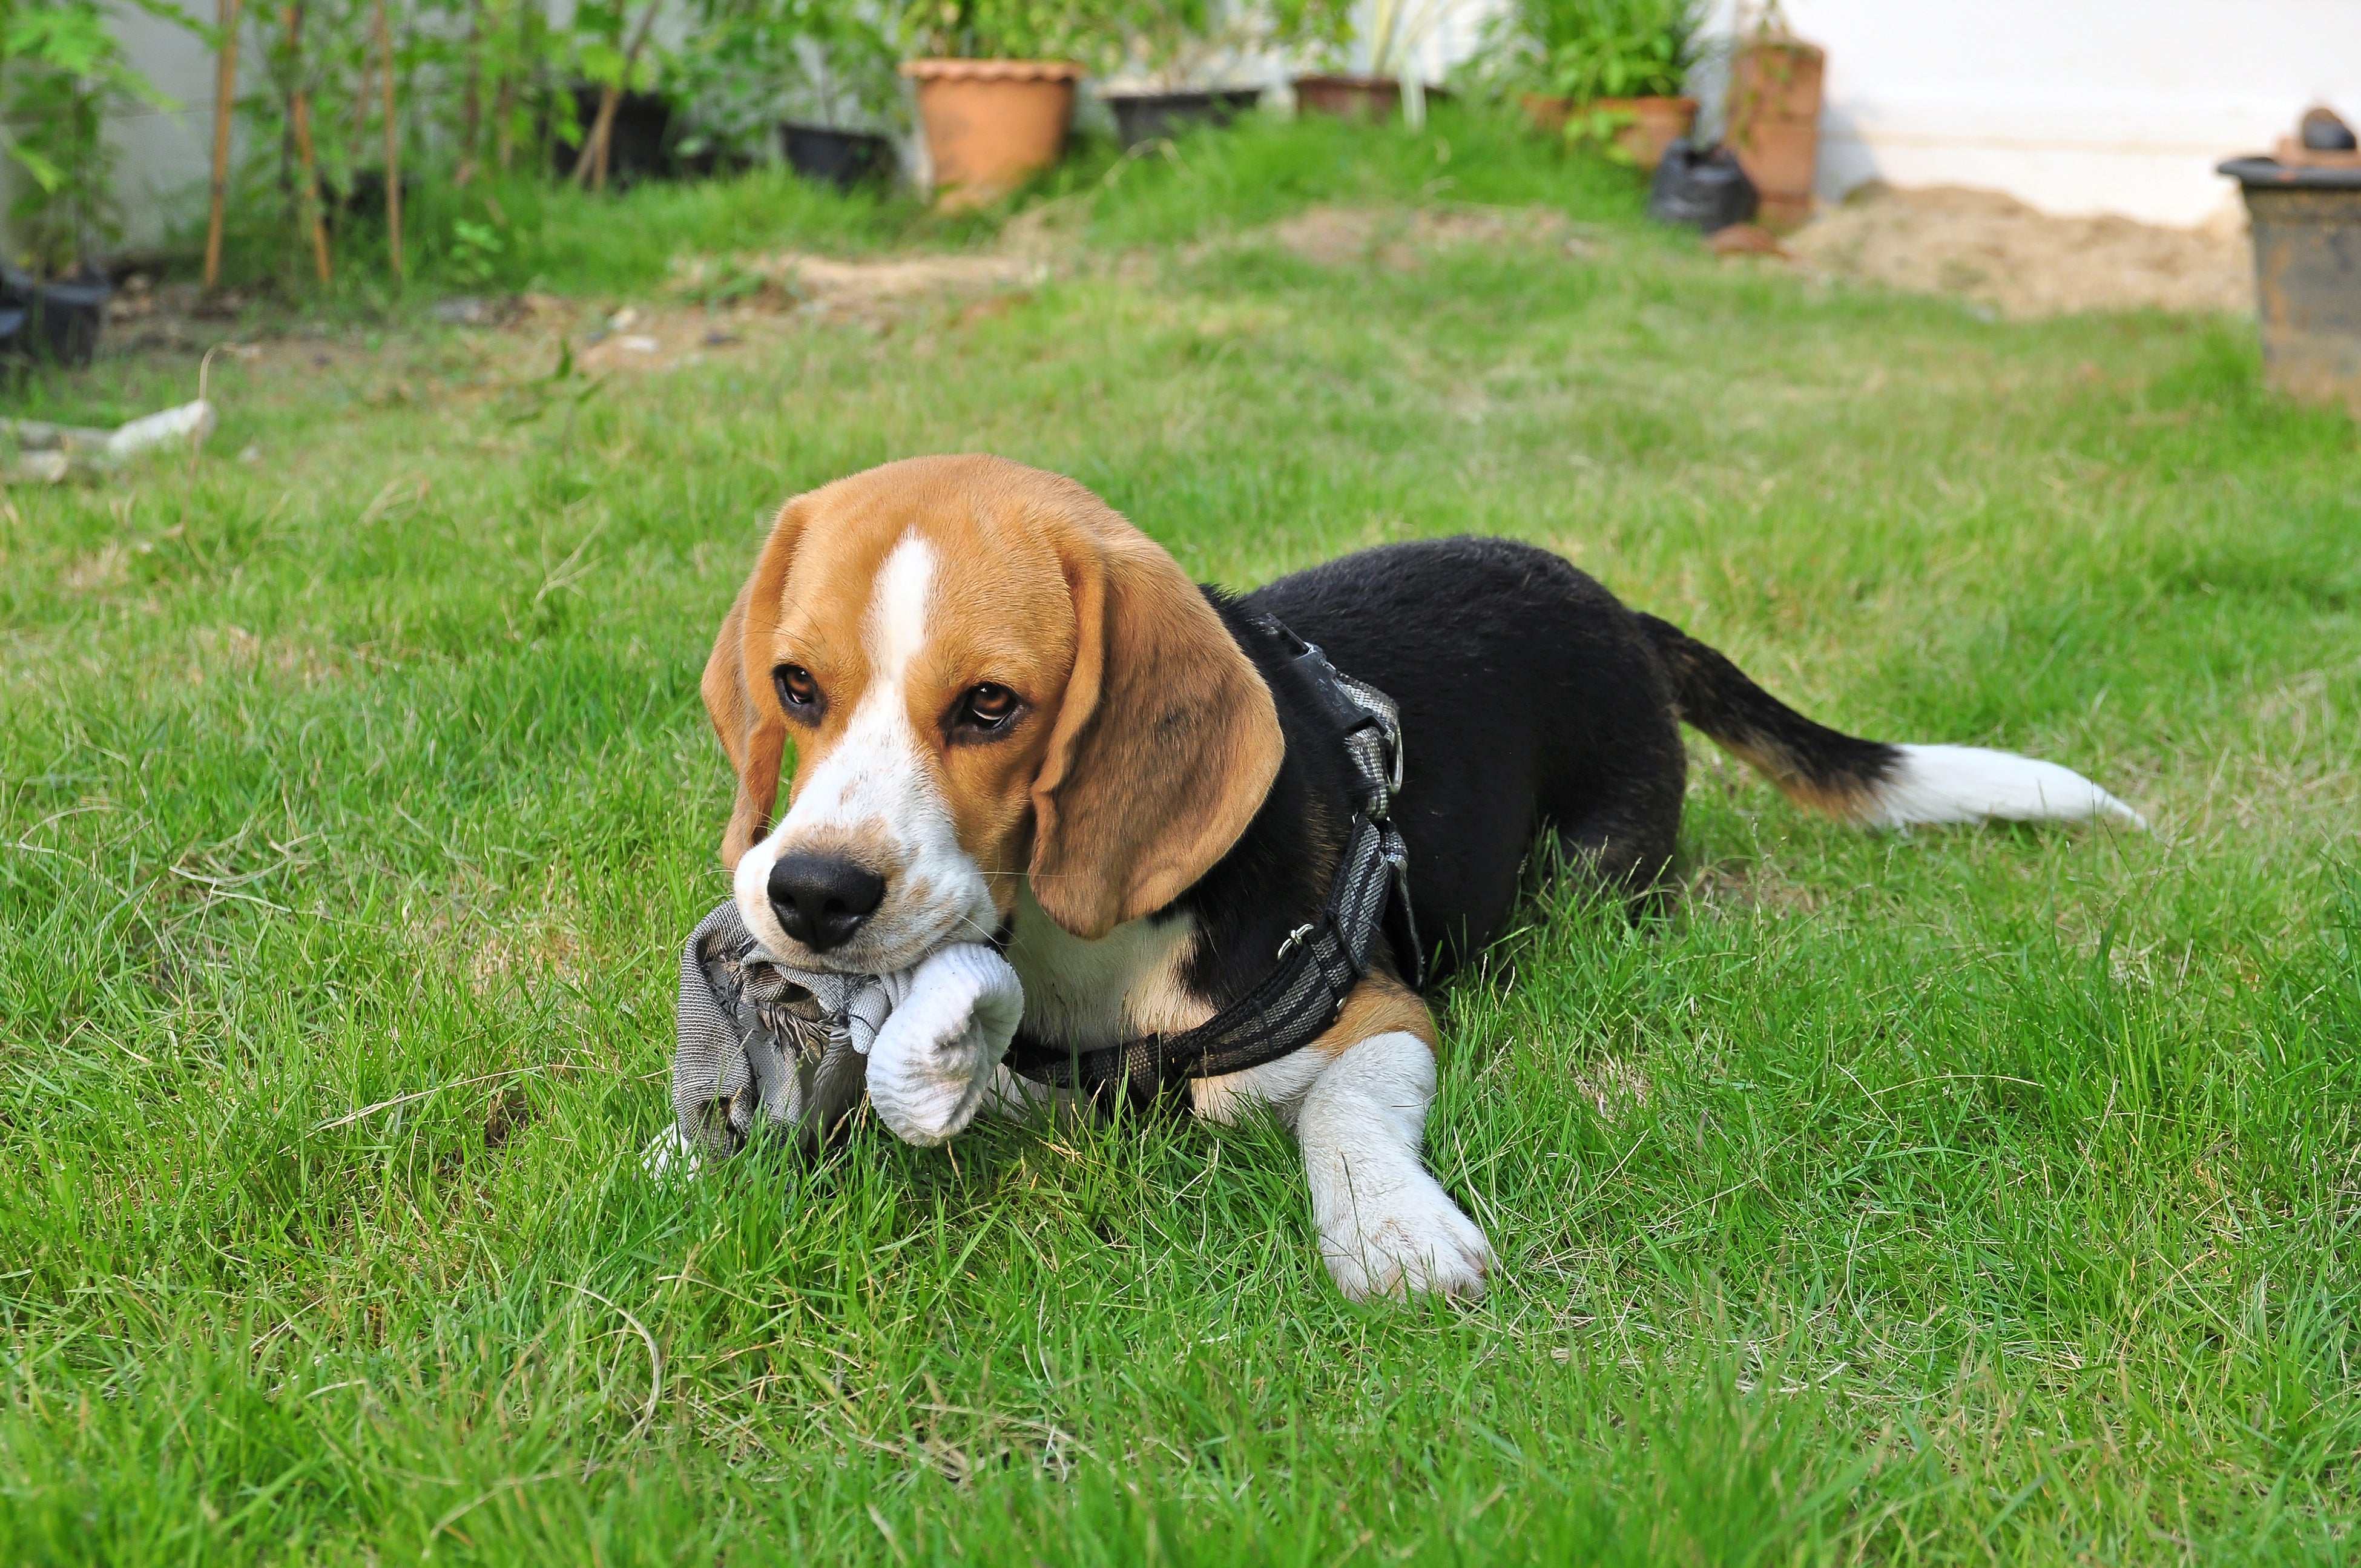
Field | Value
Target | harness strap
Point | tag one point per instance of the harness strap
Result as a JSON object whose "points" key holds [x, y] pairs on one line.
{"points": [[1317, 966]]}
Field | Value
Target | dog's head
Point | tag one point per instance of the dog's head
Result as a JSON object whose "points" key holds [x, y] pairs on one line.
{"points": [[989, 680]]}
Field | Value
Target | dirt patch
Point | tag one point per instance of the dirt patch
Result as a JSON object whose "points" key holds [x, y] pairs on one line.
{"points": [[724, 302], [1400, 240], [819, 283], [1999, 252], [707, 304]]}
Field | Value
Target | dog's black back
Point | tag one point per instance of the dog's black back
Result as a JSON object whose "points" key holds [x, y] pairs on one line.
{"points": [[1530, 699]]}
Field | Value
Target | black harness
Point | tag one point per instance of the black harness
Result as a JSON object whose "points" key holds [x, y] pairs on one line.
{"points": [[1318, 964]]}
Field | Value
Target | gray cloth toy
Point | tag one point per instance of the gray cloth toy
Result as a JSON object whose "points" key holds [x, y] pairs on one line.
{"points": [[766, 1051]]}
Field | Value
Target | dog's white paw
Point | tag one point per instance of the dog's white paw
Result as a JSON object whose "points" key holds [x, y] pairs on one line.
{"points": [[1412, 1241]]}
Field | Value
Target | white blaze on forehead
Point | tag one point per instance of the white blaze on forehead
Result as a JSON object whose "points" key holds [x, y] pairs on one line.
{"points": [[871, 775], [896, 628]]}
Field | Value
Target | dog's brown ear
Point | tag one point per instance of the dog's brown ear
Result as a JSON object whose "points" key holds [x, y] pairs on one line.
{"points": [[1164, 742], [738, 695]]}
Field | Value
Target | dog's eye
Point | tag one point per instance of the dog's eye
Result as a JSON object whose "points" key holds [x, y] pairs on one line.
{"points": [[987, 709], [798, 693]]}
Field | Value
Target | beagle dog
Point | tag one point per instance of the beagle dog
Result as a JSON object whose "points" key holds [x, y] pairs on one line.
{"points": [[1014, 720]]}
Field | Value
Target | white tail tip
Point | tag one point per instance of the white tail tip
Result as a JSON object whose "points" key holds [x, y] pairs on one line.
{"points": [[1968, 783]]}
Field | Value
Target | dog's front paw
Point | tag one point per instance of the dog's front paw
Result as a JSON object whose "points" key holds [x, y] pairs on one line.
{"points": [[1412, 1241], [934, 1060]]}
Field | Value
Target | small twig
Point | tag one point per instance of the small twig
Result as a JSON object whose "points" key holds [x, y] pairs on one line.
{"points": [[655, 1359], [204, 379]]}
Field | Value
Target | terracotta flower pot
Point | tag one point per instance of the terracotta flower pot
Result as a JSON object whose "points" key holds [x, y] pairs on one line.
{"points": [[990, 124], [1774, 123], [1655, 125], [1372, 99]]}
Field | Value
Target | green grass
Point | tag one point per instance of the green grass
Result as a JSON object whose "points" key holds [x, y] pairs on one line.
{"points": [[1959, 1197]]}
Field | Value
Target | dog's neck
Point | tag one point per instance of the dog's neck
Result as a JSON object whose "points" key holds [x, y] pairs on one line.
{"points": [[1171, 971]]}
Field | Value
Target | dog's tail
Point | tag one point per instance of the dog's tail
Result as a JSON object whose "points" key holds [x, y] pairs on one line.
{"points": [[1874, 782]]}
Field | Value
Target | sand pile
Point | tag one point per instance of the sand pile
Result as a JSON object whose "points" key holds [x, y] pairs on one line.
{"points": [[1999, 252]]}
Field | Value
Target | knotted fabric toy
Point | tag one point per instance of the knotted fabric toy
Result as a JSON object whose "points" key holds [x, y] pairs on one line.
{"points": [[766, 1050]]}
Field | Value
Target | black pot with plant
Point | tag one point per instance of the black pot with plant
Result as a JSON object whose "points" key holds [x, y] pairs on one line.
{"points": [[1176, 54], [64, 81], [817, 74], [55, 320], [1144, 117], [638, 144], [826, 156]]}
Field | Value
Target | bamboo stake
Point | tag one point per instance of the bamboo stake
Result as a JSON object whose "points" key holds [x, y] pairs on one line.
{"points": [[392, 147], [503, 124], [471, 102], [303, 158], [224, 101], [504, 107], [591, 167]]}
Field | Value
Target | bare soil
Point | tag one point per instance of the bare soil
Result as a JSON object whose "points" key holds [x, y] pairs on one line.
{"points": [[1999, 252], [1399, 238]]}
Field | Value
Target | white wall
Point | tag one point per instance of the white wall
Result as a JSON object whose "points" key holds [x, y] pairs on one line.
{"points": [[2074, 106], [166, 153]]}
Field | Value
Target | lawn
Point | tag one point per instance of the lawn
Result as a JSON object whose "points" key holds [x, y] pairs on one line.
{"points": [[1963, 1196]]}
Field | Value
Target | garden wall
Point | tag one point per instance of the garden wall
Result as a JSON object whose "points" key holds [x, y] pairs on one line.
{"points": [[2074, 106]]}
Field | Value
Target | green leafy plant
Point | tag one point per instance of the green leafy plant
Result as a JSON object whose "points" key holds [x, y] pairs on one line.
{"points": [[474, 255], [1178, 43], [63, 68], [1309, 29], [844, 61], [1586, 49], [1090, 31], [512, 56], [755, 62]]}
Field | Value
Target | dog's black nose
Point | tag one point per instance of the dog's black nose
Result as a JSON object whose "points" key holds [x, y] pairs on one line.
{"points": [[822, 899]]}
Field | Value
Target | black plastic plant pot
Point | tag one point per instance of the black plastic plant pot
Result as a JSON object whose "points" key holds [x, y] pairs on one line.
{"points": [[58, 321], [2307, 226], [1141, 117], [841, 159], [635, 147]]}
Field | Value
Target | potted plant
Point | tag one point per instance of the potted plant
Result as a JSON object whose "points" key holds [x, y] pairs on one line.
{"points": [[847, 95], [1175, 45], [624, 125], [995, 85], [1609, 72], [68, 70], [1397, 30], [1774, 115], [817, 73]]}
